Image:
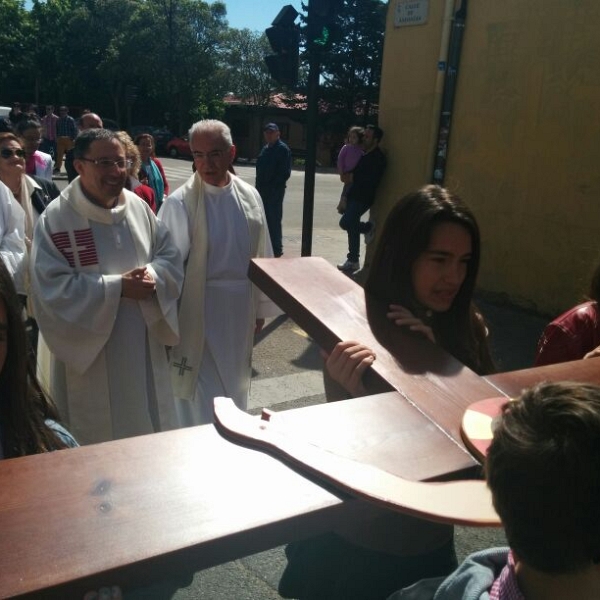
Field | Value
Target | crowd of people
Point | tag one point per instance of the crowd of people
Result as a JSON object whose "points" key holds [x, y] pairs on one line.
{"points": [[134, 305], [107, 279], [48, 143]]}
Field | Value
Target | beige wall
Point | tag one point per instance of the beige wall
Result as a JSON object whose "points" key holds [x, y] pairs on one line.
{"points": [[525, 139]]}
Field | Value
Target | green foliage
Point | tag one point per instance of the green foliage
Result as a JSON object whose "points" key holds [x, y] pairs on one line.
{"points": [[181, 52], [99, 43], [351, 67], [243, 67], [52, 64], [16, 44], [142, 59], [169, 62]]}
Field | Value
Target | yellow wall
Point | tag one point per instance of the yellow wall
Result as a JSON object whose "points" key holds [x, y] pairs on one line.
{"points": [[525, 138]]}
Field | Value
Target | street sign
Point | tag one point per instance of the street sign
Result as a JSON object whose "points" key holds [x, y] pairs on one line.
{"points": [[411, 12]]}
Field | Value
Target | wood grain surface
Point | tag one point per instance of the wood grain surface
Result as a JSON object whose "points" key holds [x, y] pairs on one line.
{"points": [[331, 307], [465, 502], [134, 511]]}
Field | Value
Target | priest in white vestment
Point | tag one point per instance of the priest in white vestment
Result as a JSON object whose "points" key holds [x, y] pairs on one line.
{"points": [[106, 277], [218, 224]]}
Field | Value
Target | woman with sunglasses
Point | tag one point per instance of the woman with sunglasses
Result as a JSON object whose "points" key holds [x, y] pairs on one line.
{"points": [[36, 162], [12, 221], [32, 195]]}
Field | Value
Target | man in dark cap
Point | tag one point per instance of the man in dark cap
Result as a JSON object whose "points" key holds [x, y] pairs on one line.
{"points": [[273, 169]]}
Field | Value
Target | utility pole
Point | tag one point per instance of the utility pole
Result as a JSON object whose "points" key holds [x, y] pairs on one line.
{"points": [[284, 37], [310, 166], [320, 28]]}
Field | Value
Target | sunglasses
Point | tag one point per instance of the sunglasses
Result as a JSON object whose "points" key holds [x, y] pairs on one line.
{"points": [[7, 153]]}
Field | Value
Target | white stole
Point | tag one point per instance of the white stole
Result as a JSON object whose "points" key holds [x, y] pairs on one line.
{"points": [[186, 357]]}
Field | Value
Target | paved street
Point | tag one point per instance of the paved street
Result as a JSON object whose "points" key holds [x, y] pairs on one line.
{"points": [[287, 372], [329, 241]]}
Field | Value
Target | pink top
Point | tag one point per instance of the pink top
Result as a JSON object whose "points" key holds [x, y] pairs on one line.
{"points": [[49, 126], [348, 158], [506, 587]]}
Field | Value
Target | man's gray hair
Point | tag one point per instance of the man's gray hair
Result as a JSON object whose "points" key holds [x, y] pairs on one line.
{"points": [[211, 126], [85, 139]]}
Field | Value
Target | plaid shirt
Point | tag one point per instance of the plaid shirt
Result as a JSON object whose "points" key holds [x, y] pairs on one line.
{"points": [[49, 127], [506, 587], [66, 127]]}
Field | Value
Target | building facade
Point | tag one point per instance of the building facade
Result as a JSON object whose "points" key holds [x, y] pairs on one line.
{"points": [[524, 138]]}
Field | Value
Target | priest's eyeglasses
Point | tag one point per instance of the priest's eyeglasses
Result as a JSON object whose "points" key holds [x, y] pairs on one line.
{"points": [[105, 163], [213, 155]]}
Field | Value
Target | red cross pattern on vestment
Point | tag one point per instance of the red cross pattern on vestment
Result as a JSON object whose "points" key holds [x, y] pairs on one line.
{"points": [[82, 247]]}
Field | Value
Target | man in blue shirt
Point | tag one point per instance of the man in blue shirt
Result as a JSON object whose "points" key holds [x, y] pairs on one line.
{"points": [[66, 132], [273, 169]]}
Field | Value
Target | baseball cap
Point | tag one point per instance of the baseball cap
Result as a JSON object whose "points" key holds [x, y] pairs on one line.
{"points": [[270, 127]]}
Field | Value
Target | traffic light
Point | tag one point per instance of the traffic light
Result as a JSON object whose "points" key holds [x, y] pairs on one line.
{"points": [[284, 37], [321, 28]]}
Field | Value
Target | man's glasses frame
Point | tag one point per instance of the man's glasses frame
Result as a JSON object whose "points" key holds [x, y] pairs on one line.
{"points": [[213, 155], [9, 153], [105, 163]]}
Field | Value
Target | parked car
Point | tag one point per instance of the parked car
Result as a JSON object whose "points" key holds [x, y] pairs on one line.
{"points": [[179, 146], [161, 138]]}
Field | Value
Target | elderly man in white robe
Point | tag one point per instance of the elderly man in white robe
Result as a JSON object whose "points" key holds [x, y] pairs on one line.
{"points": [[106, 277], [218, 224]]}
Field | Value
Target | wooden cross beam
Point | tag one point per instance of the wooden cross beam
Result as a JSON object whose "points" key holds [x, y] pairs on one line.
{"points": [[429, 383], [330, 307], [137, 510]]}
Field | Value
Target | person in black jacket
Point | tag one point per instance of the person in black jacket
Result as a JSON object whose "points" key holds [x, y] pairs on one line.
{"points": [[365, 178]]}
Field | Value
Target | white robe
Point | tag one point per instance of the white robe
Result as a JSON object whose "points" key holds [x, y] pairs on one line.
{"points": [[31, 214], [109, 373], [228, 304], [12, 237]]}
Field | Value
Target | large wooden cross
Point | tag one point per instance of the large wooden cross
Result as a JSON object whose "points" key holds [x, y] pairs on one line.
{"points": [[136, 510]]}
